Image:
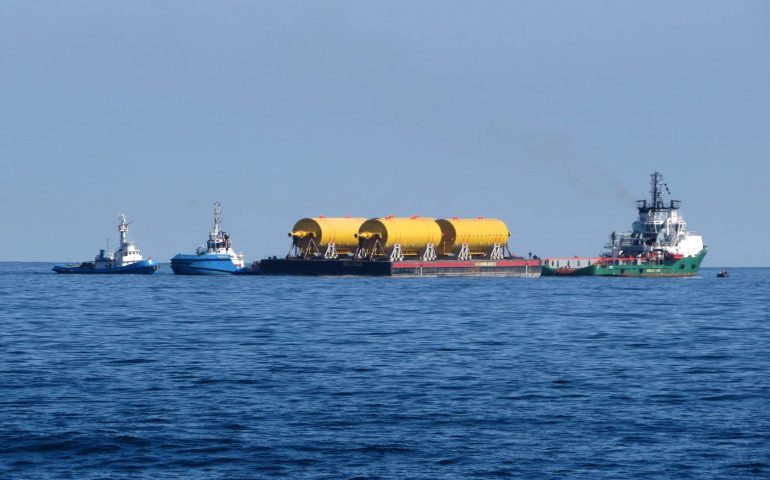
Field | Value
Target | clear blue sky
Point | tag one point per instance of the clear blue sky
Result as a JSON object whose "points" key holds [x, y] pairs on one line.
{"points": [[549, 115]]}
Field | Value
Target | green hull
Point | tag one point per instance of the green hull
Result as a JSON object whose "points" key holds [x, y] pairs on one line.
{"points": [[685, 267]]}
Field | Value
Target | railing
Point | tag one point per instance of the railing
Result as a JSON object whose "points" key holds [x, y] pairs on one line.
{"points": [[571, 262], [582, 262], [630, 261]]}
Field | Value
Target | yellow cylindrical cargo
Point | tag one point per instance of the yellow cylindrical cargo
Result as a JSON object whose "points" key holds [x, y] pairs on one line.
{"points": [[481, 235], [341, 231], [413, 234]]}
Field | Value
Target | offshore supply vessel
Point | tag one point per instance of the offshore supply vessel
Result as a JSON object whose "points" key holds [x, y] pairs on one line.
{"points": [[215, 257], [398, 246], [126, 259], [659, 244]]}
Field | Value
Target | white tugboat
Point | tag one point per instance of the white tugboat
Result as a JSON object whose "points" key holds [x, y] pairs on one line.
{"points": [[126, 259], [215, 257]]}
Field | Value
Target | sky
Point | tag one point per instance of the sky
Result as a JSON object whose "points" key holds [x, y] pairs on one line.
{"points": [[548, 115]]}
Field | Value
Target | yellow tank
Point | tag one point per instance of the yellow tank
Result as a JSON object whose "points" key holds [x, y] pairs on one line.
{"points": [[322, 231], [412, 233], [481, 234]]}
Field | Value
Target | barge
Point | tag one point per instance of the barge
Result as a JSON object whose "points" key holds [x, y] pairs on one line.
{"points": [[392, 246]]}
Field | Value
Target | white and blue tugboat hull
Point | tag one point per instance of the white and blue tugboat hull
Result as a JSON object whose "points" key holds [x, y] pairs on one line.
{"points": [[209, 264], [142, 267]]}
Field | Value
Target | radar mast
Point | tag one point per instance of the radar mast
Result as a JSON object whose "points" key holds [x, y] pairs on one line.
{"points": [[217, 219], [123, 228]]}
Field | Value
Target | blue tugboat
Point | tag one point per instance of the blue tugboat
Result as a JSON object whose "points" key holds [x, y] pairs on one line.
{"points": [[126, 259], [215, 257]]}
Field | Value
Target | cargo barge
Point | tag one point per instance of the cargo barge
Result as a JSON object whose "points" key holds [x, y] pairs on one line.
{"points": [[392, 246]]}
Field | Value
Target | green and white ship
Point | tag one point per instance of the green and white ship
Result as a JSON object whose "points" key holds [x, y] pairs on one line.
{"points": [[659, 245]]}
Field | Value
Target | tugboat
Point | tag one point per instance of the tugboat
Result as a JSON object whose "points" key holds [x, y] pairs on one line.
{"points": [[126, 259], [215, 257], [659, 245]]}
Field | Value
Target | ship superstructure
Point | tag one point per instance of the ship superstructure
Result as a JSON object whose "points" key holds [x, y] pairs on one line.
{"points": [[660, 228], [215, 256], [658, 244], [127, 253]]}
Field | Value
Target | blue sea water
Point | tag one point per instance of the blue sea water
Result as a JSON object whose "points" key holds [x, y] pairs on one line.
{"points": [[277, 377]]}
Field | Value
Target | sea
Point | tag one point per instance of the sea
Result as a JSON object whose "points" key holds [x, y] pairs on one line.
{"points": [[162, 376]]}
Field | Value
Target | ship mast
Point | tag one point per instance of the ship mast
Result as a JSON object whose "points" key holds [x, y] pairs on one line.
{"points": [[656, 190], [217, 220], [123, 228], [215, 236], [657, 187]]}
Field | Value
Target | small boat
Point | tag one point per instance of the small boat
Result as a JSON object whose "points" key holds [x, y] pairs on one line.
{"points": [[723, 274], [126, 259], [215, 257]]}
